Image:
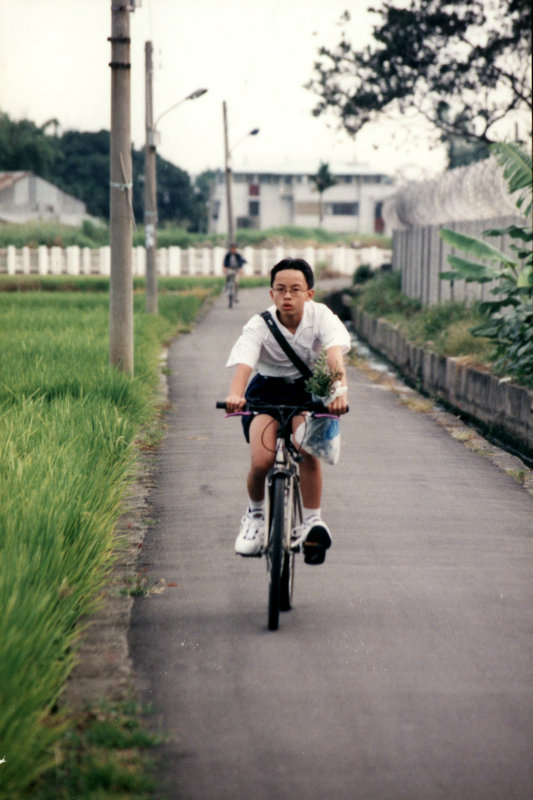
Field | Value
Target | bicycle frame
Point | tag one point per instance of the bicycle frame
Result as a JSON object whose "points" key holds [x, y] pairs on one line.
{"points": [[284, 504], [231, 287]]}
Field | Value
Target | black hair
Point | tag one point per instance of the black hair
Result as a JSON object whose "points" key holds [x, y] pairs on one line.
{"points": [[294, 263]]}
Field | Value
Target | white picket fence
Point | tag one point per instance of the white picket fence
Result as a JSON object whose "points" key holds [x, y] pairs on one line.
{"points": [[173, 261]]}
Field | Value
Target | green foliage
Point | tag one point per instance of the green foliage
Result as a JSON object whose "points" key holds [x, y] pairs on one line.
{"points": [[81, 168], [24, 146], [444, 327], [321, 381], [104, 758], [169, 236], [362, 274], [431, 54], [33, 234], [68, 423], [53, 234], [508, 316], [78, 162], [383, 296], [517, 170], [323, 180]]}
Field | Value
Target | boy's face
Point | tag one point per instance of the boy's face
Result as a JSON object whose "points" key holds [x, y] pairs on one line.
{"points": [[290, 292]]}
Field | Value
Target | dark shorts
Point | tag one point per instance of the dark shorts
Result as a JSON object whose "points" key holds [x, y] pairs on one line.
{"points": [[273, 390]]}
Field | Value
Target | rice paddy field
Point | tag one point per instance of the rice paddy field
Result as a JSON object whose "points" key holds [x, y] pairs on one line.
{"points": [[70, 426]]}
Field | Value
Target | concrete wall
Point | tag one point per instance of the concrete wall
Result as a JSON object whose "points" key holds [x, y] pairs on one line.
{"points": [[421, 256], [504, 409]]}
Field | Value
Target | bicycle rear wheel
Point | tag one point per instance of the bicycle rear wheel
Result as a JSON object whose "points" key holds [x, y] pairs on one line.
{"points": [[275, 549]]}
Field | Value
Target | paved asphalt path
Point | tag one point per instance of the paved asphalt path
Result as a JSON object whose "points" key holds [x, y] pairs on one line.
{"points": [[405, 669]]}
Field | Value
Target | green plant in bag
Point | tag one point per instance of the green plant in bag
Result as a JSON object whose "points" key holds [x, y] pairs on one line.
{"points": [[321, 381]]}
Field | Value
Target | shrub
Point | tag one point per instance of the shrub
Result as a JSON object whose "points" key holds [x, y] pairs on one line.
{"points": [[508, 317]]}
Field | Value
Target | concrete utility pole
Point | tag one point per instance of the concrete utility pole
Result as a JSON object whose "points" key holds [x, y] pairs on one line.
{"points": [[121, 283], [150, 190], [229, 177], [227, 156]]}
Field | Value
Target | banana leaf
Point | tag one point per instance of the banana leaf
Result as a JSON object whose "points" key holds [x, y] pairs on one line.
{"points": [[517, 170], [474, 247], [469, 271], [515, 231]]}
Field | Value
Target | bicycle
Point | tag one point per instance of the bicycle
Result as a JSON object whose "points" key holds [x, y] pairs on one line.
{"points": [[284, 504], [231, 287]]}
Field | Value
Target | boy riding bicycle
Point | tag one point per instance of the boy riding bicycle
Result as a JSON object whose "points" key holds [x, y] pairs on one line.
{"points": [[308, 327], [233, 263]]}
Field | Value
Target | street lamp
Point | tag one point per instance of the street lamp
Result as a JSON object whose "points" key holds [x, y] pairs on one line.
{"points": [[227, 153], [191, 96], [150, 181]]}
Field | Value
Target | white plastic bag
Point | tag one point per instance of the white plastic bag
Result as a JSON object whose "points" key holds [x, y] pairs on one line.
{"points": [[320, 436]]}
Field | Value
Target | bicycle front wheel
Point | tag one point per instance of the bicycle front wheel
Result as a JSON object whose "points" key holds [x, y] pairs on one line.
{"points": [[275, 549], [293, 518]]}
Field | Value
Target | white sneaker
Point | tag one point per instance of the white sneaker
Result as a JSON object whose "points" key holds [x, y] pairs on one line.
{"points": [[315, 539], [251, 538]]}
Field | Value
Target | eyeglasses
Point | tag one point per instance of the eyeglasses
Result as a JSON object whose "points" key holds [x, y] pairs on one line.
{"points": [[294, 292]]}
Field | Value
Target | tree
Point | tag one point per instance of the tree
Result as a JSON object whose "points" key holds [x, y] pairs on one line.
{"points": [[78, 163], [174, 191], [24, 146], [202, 193], [323, 180], [463, 66], [82, 169]]}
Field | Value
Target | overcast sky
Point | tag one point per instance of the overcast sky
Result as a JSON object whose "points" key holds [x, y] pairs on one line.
{"points": [[255, 54]]}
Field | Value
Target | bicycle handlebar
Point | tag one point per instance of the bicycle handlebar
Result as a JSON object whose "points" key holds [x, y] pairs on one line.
{"points": [[317, 407]]}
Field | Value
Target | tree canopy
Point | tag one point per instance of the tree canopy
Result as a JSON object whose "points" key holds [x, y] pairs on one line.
{"points": [[323, 180], [78, 162], [463, 65]]}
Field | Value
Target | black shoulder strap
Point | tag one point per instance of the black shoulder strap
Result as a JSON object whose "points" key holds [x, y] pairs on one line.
{"points": [[283, 343]]}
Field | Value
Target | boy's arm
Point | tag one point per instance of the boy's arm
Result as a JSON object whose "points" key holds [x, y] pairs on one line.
{"points": [[235, 400], [336, 363]]}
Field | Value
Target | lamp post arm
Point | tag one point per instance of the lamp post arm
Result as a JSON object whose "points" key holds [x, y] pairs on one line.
{"points": [[192, 96]]}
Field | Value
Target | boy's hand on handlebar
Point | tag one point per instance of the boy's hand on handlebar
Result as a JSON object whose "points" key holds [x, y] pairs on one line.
{"points": [[235, 402], [339, 405]]}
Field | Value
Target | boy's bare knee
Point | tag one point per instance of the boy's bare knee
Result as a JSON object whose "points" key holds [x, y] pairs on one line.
{"points": [[261, 463]]}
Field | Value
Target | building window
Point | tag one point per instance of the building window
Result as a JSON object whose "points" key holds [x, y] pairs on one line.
{"points": [[379, 224], [253, 208], [253, 190], [342, 209]]}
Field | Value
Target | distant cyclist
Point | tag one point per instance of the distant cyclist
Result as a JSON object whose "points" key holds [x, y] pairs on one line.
{"points": [[233, 262], [308, 327]]}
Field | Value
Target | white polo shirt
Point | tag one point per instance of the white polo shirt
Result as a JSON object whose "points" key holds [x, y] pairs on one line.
{"points": [[256, 346]]}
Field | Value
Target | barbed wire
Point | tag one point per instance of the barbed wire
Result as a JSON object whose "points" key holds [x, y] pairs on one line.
{"points": [[475, 192]]}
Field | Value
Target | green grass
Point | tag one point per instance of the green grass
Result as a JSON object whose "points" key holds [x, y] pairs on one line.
{"points": [[444, 328], [98, 283], [104, 756], [69, 431], [33, 234], [53, 234]]}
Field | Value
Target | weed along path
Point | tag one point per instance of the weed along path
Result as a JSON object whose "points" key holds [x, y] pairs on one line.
{"points": [[404, 670]]}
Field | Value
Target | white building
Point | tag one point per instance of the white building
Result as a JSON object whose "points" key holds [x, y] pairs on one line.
{"points": [[25, 196], [288, 197]]}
